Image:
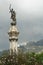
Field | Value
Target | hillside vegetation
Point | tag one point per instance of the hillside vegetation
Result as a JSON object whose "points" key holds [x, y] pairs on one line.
{"points": [[22, 59]]}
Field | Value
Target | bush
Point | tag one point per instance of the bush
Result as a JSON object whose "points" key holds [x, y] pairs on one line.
{"points": [[22, 59]]}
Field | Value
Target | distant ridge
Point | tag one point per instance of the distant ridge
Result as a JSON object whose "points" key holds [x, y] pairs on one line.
{"points": [[33, 46]]}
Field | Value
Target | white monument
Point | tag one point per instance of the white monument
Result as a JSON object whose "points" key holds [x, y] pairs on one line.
{"points": [[13, 33]]}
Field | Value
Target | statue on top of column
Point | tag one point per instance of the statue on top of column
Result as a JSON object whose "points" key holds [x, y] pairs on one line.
{"points": [[13, 14]]}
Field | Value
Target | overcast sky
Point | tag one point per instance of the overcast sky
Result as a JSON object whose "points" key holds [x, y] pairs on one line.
{"points": [[29, 14]]}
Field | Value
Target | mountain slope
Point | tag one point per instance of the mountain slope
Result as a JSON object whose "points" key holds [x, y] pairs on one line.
{"points": [[33, 46]]}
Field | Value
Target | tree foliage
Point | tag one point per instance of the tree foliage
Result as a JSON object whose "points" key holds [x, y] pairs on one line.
{"points": [[22, 59]]}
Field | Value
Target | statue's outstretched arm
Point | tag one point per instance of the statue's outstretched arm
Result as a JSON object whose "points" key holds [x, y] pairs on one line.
{"points": [[10, 7]]}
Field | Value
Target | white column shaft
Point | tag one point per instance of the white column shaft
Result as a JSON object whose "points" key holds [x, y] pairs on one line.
{"points": [[13, 46]]}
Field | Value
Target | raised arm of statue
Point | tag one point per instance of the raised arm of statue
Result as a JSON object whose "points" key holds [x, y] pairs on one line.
{"points": [[10, 7]]}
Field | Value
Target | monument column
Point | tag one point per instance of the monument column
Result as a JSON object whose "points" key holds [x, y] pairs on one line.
{"points": [[13, 33]]}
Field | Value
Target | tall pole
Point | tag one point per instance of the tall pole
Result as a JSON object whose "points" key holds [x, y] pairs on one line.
{"points": [[13, 33]]}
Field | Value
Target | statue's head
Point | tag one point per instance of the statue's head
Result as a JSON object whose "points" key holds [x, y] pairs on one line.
{"points": [[12, 9]]}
